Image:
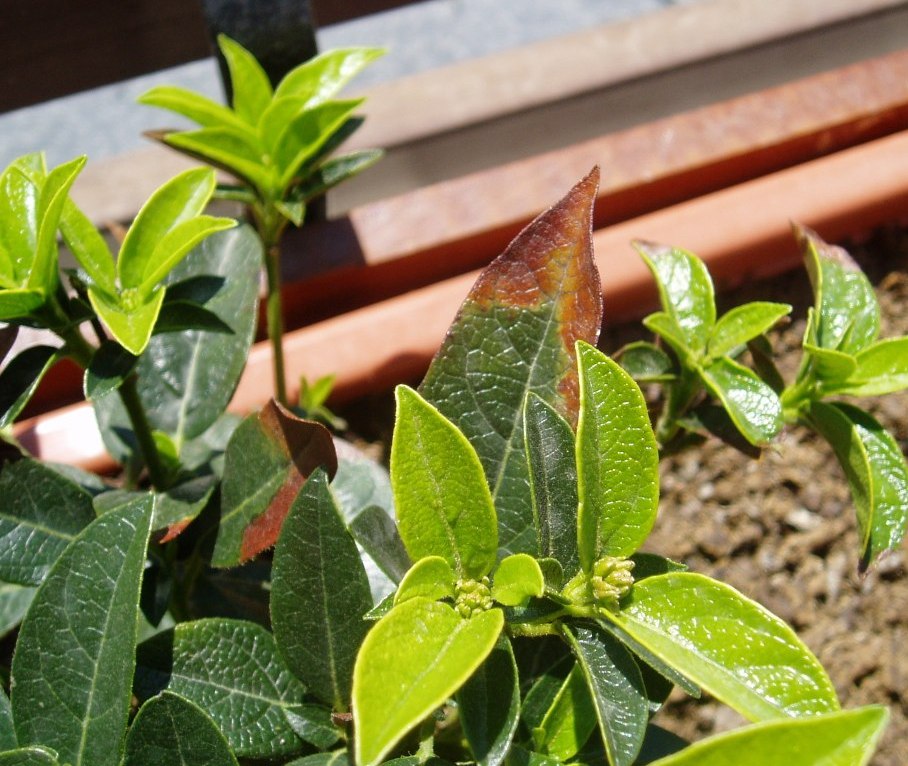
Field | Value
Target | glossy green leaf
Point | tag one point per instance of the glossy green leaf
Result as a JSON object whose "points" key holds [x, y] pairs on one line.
{"points": [[443, 503], [410, 663], [489, 706], [14, 603], [617, 461], [314, 724], [42, 513], [187, 379], [517, 579], [685, 290], [645, 362], [74, 657], [225, 148], [514, 334], [178, 316], [549, 443], [847, 315], [131, 326], [430, 577], [248, 81], [377, 533], [306, 134], [171, 731], [29, 756], [334, 171], [179, 200], [322, 77], [232, 670], [651, 564], [876, 473], [743, 323], [268, 459], [20, 378], [847, 738], [194, 106], [830, 366], [88, 247], [617, 690], [17, 304], [110, 365], [7, 730], [879, 369], [54, 193], [752, 405], [336, 758], [19, 193], [319, 594], [665, 326], [731, 646], [570, 719], [174, 245]]}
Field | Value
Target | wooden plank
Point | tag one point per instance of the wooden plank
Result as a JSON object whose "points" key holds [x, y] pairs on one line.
{"points": [[51, 48]]}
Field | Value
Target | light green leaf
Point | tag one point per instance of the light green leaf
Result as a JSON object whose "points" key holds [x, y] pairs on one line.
{"points": [[410, 663], [322, 77], [645, 362], [20, 378], [176, 243], [14, 603], [617, 461], [879, 369], [517, 579], [617, 691], [74, 658], [830, 366], [846, 312], [685, 289], [19, 303], [752, 405], [847, 738], [319, 594], [444, 507], [489, 706], [29, 756], [549, 443], [88, 247], [194, 106], [54, 194], [306, 134], [19, 193], [232, 670], [179, 200], [41, 514], [876, 473], [742, 324], [570, 719], [377, 533], [515, 334], [131, 326], [664, 325], [171, 731], [430, 577], [250, 85], [731, 646], [228, 149]]}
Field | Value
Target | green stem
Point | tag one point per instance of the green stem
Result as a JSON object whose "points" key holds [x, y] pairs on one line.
{"points": [[679, 397], [274, 315]]}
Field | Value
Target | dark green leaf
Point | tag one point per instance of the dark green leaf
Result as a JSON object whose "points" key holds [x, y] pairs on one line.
{"points": [[377, 533], [319, 594], [42, 512], [337, 758], [650, 565], [711, 419], [515, 333], [110, 366], [359, 482], [314, 724], [617, 461], [268, 459], [443, 503], [685, 289], [171, 731], [731, 646], [876, 472], [232, 670], [489, 705], [74, 658], [645, 362], [751, 404], [659, 743], [549, 443], [29, 756], [178, 316], [847, 738], [7, 730], [569, 720], [334, 171], [20, 378], [617, 691]]}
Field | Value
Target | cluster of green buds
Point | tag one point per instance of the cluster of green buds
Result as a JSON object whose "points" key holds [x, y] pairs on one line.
{"points": [[610, 581], [472, 596]]}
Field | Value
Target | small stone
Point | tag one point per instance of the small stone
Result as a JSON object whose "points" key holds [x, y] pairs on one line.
{"points": [[802, 520]]}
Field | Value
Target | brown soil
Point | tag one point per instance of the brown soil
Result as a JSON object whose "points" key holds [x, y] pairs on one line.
{"points": [[781, 529]]}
